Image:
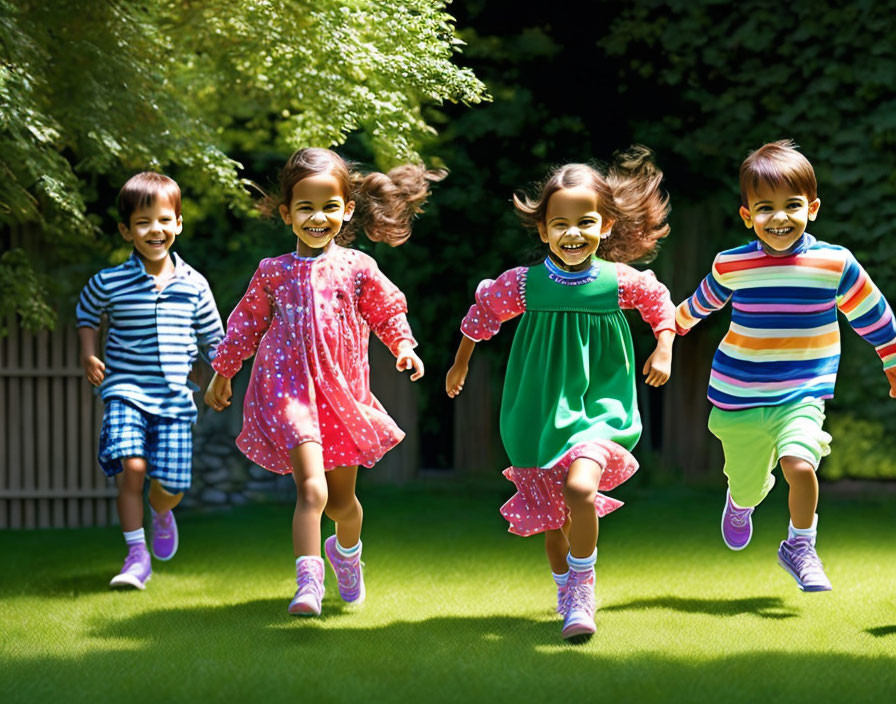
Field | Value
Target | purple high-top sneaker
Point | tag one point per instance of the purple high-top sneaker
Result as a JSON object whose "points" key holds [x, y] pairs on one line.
{"points": [[137, 569], [164, 535], [561, 596], [737, 525], [310, 580], [578, 621], [348, 571], [797, 555]]}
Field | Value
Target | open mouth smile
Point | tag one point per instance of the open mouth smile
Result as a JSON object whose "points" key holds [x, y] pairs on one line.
{"points": [[573, 248], [779, 231], [317, 231]]}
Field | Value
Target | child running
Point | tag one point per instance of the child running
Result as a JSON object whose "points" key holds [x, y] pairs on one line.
{"points": [[569, 414], [778, 362], [307, 317], [161, 316]]}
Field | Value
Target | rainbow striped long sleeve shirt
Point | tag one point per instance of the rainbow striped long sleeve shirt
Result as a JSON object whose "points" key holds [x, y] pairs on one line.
{"points": [[784, 341]]}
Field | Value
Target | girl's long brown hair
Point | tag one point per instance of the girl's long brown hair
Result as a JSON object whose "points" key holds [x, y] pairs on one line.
{"points": [[628, 193], [385, 204]]}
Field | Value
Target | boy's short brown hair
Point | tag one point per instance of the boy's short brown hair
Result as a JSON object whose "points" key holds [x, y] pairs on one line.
{"points": [[775, 164], [144, 188]]}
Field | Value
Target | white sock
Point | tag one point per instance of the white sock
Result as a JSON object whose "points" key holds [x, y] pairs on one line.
{"points": [[132, 537], [560, 579], [810, 532], [348, 552], [581, 564]]}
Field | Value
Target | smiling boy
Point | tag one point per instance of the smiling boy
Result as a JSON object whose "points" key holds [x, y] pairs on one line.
{"points": [[161, 315], [778, 362]]}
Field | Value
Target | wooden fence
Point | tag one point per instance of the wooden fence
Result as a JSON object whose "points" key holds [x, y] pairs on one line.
{"points": [[50, 426]]}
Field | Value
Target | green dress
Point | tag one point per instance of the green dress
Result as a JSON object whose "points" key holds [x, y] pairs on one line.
{"points": [[570, 377]]}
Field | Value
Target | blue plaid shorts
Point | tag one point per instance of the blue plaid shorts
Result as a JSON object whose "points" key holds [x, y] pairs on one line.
{"points": [[166, 443]]}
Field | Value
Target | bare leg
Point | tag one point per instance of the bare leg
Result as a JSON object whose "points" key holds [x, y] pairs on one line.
{"points": [[803, 497], [579, 491], [130, 493], [556, 546], [161, 499], [311, 497], [343, 507]]}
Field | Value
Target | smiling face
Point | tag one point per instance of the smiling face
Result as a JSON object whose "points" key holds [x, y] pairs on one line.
{"points": [[778, 216], [316, 212], [573, 227], [152, 230]]}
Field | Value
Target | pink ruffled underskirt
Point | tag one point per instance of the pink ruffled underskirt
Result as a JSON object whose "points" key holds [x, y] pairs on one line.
{"points": [[538, 504]]}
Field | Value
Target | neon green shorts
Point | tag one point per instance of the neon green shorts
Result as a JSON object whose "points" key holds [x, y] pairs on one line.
{"points": [[754, 439]]}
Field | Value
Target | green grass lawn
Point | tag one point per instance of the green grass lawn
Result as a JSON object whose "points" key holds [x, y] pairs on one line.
{"points": [[458, 610]]}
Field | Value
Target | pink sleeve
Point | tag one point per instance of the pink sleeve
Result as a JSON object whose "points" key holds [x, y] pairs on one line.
{"points": [[245, 327], [641, 290], [497, 300], [384, 308]]}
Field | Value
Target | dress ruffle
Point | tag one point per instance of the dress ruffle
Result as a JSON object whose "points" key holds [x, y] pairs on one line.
{"points": [[538, 504]]}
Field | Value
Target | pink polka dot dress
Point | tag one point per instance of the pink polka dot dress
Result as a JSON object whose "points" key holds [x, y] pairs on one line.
{"points": [[308, 322]]}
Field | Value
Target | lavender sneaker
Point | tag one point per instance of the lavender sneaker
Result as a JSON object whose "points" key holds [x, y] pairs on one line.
{"points": [[578, 613], [561, 596], [310, 580], [136, 571], [164, 535], [737, 525], [348, 571], [797, 555]]}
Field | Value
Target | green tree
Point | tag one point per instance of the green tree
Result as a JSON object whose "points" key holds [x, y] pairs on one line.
{"points": [[97, 90]]}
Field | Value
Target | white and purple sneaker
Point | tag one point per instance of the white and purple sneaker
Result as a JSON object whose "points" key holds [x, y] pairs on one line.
{"points": [[310, 581], [797, 555], [737, 524], [561, 596], [349, 573], [136, 571], [164, 535], [578, 607]]}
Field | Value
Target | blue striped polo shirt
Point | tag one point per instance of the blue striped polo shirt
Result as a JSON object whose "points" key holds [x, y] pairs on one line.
{"points": [[154, 336]]}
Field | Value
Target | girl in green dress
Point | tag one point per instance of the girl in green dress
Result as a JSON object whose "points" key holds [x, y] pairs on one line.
{"points": [[569, 414]]}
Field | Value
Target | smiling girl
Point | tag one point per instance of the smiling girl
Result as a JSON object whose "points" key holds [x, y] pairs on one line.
{"points": [[569, 415], [307, 317]]}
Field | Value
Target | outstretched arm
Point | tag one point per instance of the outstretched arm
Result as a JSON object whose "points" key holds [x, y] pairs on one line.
{"points": [[869, 314], [641, 290], [658, 366], [246, 325], [454, 382], [711, 295], [497, 301]]}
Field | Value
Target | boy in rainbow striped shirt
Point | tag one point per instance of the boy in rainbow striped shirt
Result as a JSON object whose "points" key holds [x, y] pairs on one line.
{"points": [[778, 361]]}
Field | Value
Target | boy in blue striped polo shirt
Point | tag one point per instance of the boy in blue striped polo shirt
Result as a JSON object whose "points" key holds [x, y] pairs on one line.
{"points": [[161, 316]]}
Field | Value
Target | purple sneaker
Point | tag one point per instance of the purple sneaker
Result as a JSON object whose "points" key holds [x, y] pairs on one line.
{"points": [[137, 569], [310, 580], [578, 613], [561, 596], [737, 525], [797, 556], [164, 535], [348, 571]]}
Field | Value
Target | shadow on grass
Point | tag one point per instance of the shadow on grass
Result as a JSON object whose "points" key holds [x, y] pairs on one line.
{"points": [[253, 651], [881, 631], [73, 585], [762, 606]]}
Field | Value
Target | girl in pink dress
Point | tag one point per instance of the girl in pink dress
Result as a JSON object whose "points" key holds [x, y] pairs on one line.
{"points": [[307, 317]]}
